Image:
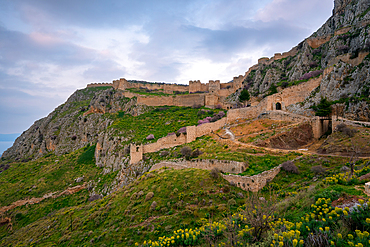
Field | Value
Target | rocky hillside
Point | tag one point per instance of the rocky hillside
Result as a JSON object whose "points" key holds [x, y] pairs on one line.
{"points": [[341, 47], [71, 126]]}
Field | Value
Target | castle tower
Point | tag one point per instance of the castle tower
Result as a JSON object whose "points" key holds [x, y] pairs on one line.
{"points": [[214, 86]]}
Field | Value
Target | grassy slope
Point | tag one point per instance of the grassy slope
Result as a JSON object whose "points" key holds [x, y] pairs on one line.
{"points": [[159, 122], [185, 199]]}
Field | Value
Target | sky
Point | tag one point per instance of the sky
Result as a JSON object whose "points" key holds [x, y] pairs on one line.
{"points": [[51, 48]]}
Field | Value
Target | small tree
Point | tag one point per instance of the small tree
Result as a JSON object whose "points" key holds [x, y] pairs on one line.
{"points": [[323, 108], [244, 95]]}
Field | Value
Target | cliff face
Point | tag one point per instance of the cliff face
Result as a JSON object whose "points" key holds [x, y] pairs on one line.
{"points": [[72, 125], [341, 46]]}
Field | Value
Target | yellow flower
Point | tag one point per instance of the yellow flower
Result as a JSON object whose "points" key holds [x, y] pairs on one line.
{"points": [[339, 235], [350, 243], [332, 243], [368, 220], [281, 244], [350, 236], [295, 242], [327, 228], [301, 242]]}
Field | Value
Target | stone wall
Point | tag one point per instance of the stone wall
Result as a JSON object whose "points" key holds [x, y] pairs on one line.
{"points": [[277, 56], [222, 165], [253, 183], [165, 142], [316, 42], [197, 86], [192, 132], [99, 85], [176, 100]]}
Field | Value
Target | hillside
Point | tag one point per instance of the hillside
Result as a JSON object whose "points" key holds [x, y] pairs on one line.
{"points": [[106, 169]]}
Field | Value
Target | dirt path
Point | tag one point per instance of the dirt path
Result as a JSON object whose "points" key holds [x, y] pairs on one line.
{"points": [[35, 200]]}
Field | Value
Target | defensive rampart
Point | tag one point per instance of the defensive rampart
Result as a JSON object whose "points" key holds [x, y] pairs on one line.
{"points": [[253, 183], [222, 165], [99, 85], [192, 132]]}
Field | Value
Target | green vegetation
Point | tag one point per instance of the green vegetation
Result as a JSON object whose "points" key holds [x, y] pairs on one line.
{"points": [[323, 108], [159, 122], [49, 174], [244, 95]]}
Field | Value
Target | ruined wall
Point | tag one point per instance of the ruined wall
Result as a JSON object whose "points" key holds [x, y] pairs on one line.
{"points": [[317, 42], [222, 165], [207, 128], [197, 86], [253, 183], [99, 85], [277, 56], [294, 94], [285, 116], [165, 142], [192, 132], [176, 100], [136, 153]]}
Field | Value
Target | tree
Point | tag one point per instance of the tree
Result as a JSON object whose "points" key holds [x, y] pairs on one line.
{"points": [[323, 108], [244, 95]]}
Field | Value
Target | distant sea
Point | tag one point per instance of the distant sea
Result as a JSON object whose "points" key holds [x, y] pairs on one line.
{"points": [[6, 141]]}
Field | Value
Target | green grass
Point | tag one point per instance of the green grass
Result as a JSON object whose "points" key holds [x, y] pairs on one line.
{"points": [[159, 122], [185, 199], [48, 174]]}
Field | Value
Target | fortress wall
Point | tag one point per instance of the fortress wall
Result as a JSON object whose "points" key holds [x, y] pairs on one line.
{"points": [[197, 86], [99, 85], [223, 165], [189, 100], [155, 100], [176, 100], [211, 100], [253, 183], [165, 142], [130, 95], [226, 92], [205, 129], [285, 116], [317, 42], [175, 87], [136, 153]]}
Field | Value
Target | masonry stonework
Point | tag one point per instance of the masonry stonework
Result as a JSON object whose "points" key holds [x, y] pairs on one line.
{"points": [[222, 165], [253, 183]]}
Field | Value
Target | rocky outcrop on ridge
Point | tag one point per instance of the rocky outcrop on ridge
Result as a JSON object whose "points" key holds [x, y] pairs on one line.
{"points": [[342, 46]]}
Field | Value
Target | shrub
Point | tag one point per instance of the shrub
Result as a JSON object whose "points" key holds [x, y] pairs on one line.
{"points": [[186, 151], [126, 150], [289, 166], [345, 130], [318, 170], [313, 64], [197, 106], [343, 48], [218, 106], [149, 196], [181, 131], [231, 202], [150, 137], [215, 173], [74, 137], [153, 206], [310, 74], [226, 189], [196, 153], [164, 153], [244, 95]]}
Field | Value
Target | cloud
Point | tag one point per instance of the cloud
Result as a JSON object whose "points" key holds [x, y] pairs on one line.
{"points": [[50, 48], [298, 12]]}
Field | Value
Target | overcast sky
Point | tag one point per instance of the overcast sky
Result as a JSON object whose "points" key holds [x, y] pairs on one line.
{"points": [[50, 48]]}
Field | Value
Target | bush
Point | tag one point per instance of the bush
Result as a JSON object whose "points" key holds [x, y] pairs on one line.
{"points": [[164, 153], [196, 153], [318, 170], [186, 151], [197, 106], [231, 202], [289, 166], [343, 128], [149, 196], [215, 173], [244, 95], [310, 74]]}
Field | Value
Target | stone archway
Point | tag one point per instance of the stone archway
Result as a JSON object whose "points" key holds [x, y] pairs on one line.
{"points": [[278, 106]]}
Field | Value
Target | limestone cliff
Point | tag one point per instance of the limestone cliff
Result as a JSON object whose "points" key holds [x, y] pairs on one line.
{"points": [[342, 47], [72, 125]]}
